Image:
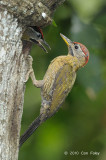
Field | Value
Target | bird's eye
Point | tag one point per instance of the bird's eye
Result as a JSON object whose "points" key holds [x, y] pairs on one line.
{"points": [[39, 35], [76, 47]]}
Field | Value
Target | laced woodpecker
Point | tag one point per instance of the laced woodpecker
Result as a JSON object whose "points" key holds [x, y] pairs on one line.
{"points": [[57, 82], [35, 35]]}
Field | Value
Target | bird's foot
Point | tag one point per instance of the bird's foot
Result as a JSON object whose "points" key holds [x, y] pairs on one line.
{"points": [[30, 73]]}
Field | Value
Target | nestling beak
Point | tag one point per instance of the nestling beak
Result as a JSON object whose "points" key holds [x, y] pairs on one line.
{"points": [[46, 44], [39, 43], [69, 43]]}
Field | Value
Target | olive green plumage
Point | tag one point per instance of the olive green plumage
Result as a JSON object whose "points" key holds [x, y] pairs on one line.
{"points": [[58, 82]]}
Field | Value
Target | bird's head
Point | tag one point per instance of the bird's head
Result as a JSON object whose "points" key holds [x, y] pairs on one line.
{"points": [[35, 35], [77, 49]]}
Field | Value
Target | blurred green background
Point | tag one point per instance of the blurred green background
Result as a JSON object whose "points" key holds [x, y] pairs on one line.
{"points": [[80, 124]]}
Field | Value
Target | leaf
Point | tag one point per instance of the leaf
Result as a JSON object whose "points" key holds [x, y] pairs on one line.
{"points": [[54, 23]]}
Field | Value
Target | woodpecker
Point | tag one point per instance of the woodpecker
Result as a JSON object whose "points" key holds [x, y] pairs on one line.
{"points": [[57, 82], [35, 35]]}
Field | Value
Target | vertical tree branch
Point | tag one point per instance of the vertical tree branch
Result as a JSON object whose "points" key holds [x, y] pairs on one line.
{"points": [[12, 74]]}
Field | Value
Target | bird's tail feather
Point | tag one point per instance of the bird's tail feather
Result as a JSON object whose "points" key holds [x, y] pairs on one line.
{"points": [[35, 124]]}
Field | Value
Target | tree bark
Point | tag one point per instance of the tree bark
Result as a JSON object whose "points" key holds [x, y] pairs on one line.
{"points": [[15, 15]]}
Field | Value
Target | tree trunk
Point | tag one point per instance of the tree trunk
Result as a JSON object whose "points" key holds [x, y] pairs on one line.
{"points": [[14, 66], [12, 75]]}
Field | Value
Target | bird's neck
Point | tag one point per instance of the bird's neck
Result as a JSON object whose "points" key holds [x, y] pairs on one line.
{"points": [[81, 61], [77, 63]]}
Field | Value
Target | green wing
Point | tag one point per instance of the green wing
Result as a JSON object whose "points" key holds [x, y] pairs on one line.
{"points": [[63, 83], [57, 87]]}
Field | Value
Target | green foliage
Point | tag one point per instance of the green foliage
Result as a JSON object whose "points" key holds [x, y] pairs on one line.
{"points": [[80, 123], [54, 23]]}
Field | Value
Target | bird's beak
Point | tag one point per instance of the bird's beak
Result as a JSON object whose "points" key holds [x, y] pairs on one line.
{"points": [[69, 43], [41, 45], [46, 44]]}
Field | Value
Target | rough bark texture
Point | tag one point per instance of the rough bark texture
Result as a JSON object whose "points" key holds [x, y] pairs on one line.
{"points": [[15, 15], [12, 74], [30, 12]]}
